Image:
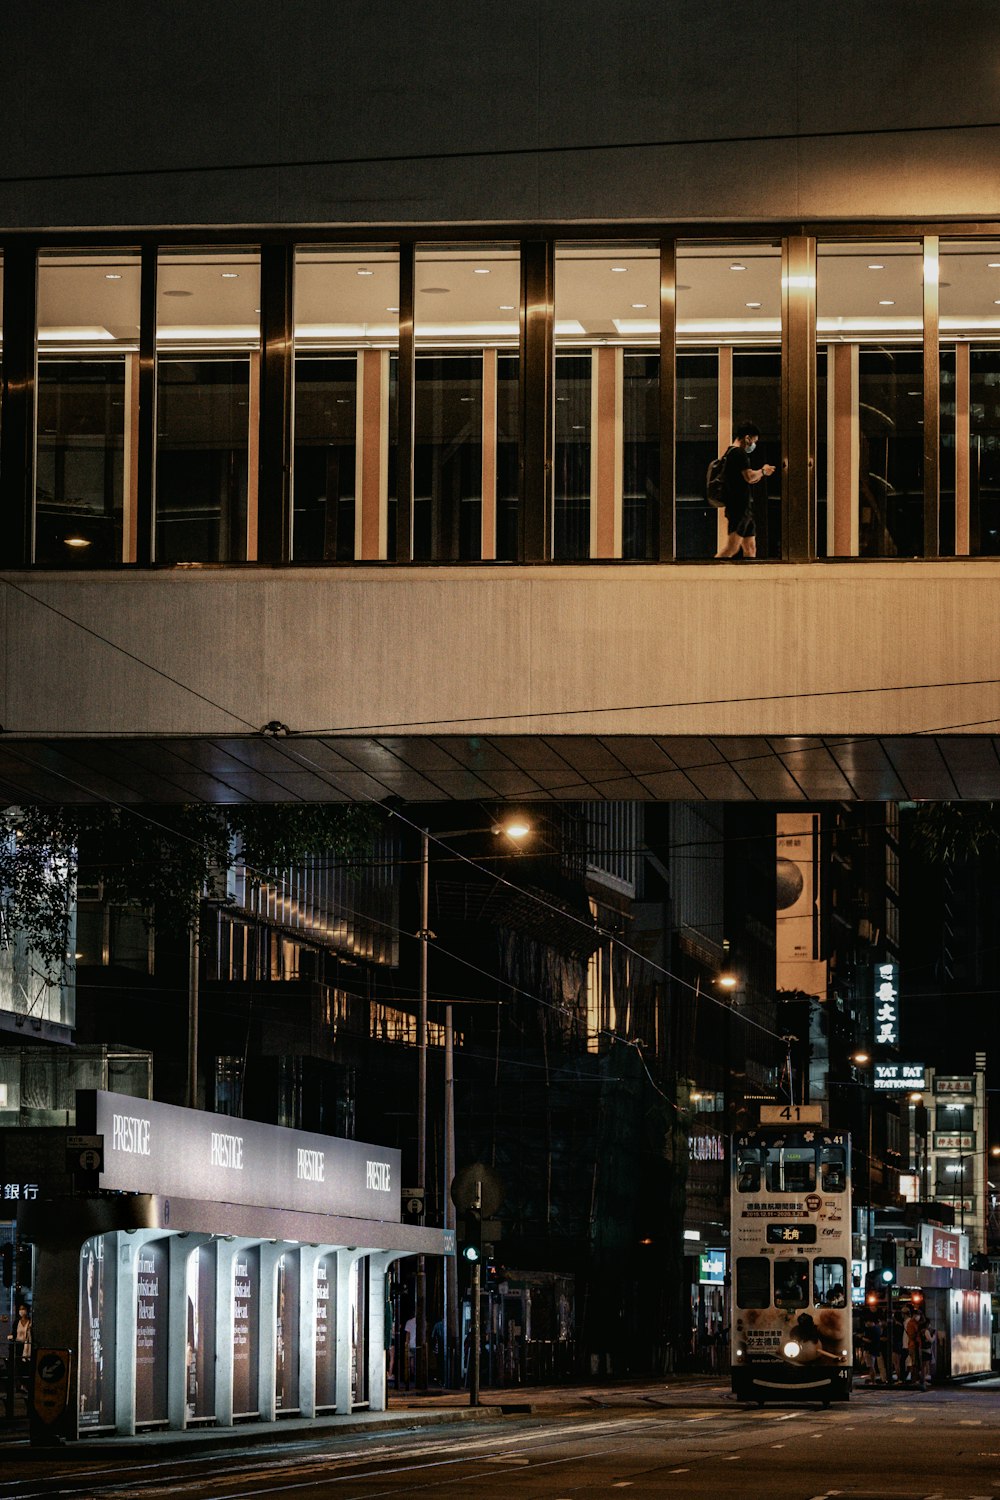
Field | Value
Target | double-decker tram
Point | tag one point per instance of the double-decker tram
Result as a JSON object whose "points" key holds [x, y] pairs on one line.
{"points": [[791, 1263]]}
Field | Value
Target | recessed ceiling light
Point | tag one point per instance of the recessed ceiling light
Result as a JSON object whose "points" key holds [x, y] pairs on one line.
{"points": [[363, 272], [76, 541], [112, 276], [578, 427], [639, 305], [914, 393], [481, 271], [704, 424], [256, 309], [737, 265], [753, 304], [994, 265], [392, 309], [507, 307], [689, 398], [230, 275], [619, 268], [876, 265], [886, 302]]}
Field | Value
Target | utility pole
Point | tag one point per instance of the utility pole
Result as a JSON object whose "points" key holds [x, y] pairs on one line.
{"points": [[475, 1308], [420, 1310]]}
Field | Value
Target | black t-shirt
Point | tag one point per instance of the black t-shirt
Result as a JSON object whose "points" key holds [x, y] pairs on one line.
{"points": [[736, 492]]}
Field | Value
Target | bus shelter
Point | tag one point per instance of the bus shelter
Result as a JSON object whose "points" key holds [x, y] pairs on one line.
{"points": [[216, 1270]]}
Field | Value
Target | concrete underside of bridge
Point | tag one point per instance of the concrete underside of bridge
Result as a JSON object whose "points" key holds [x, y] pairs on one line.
{"points": [[848, 679]]}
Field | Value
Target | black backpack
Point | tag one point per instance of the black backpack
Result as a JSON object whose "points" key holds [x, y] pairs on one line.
{"points": [[715, 480]]}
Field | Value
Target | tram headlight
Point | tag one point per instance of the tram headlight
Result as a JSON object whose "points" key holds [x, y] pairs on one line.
{"points": [[791, 1350]]}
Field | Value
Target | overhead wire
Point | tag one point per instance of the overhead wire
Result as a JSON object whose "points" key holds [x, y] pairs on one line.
{"points": [[191, 169]]}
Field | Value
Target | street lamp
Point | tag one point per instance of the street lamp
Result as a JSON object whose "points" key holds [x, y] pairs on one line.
{"points": [[861, 1059], [515, 829]]}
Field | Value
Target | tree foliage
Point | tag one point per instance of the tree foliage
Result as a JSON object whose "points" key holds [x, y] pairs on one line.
{"points": [[160, 860], [951, 832]]}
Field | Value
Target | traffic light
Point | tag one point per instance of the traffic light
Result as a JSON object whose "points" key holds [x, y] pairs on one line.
{"points": [[25, 1263], [7, 1263], [471, 1244], [888, 1272]]}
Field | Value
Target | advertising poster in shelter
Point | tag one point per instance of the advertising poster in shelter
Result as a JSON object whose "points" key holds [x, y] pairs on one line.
{"points": [[201, 1332], [326, 1331], [151, 1332], [246, 1307], [97, 1340], [286, 1367]]}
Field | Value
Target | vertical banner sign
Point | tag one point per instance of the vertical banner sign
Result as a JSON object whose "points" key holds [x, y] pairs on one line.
{"points": [[96, 1386], [799, 964], [201, 1332], [151, 1332], [326, 1333], [886, 1028], [286, 1368], [246, 1296], [359, 1331]]}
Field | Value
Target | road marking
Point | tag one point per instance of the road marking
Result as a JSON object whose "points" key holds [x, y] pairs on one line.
{"points": [[777, 1445], [732, 1458], [904, 1420], [969, 1422], [622, 1484], [678, 1471]]}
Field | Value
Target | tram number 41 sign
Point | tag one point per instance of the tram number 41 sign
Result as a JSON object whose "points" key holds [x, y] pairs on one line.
{"points": [[791, 1114], [85, 1153]]}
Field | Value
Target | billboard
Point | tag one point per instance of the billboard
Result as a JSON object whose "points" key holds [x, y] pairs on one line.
{"points": [[799, 964], [188, 1153]]}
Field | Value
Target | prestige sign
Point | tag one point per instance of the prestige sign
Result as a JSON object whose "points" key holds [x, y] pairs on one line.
{"points": [[187, 1153]]}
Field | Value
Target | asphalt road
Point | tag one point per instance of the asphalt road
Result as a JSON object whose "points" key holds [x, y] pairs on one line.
{"points": [[936, 1445]]}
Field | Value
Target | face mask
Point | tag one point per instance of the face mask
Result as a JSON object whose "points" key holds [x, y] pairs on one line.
{"points": [[750, 447]]}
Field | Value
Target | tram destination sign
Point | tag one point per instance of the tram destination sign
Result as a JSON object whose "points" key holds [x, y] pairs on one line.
{"points": [[188, 1153]]}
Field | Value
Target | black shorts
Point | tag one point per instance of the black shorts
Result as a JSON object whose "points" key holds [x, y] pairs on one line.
{"points": [[741, 524]]}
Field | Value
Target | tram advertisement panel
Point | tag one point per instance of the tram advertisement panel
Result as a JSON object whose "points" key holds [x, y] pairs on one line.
{"points": [[791, 1240]]}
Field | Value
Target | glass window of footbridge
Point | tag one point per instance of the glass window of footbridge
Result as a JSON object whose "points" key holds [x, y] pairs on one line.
{"points": [[208, 388], [87, 408], [466, 329], [728, 372], [869, 310], [346, 338], [606, 430], [970, 396]]}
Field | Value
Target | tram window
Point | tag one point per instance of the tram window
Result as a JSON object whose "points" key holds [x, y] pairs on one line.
{"points": [[791, 1169], [748, 1170], [791, 1283], [829, 1281], [753, 1281], [833, 1170]]}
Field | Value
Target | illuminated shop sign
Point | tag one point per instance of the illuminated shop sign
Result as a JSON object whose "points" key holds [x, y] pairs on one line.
{"points": [[943, 1247], [188, 1153], [954, 1085], [712, 1268], [890, 1076], [18, 1192], [886, 1032], [707, 1147], [953, 1140]]}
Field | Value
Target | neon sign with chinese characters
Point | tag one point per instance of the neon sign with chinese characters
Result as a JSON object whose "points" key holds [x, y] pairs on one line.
{"points": [[886, 1028]]}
